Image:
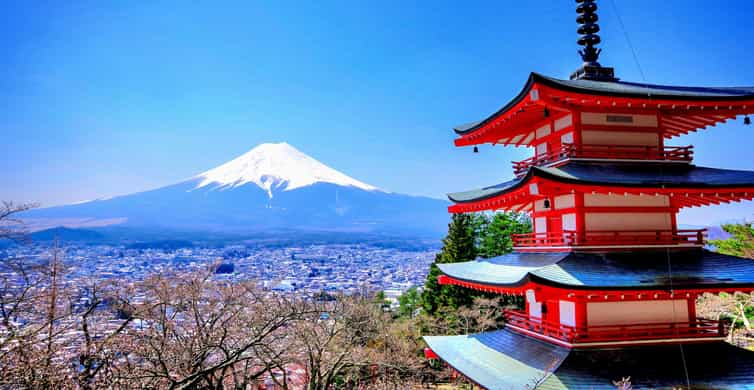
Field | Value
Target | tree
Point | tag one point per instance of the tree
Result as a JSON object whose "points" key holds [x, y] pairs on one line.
{"points": [[495, 232], [469, 236], [733, 307], [458, 245], [483, 314], [740, 243], [57, 334], [736, 306], [198, 332], [351, 342], [12, 228], [409, 302]]}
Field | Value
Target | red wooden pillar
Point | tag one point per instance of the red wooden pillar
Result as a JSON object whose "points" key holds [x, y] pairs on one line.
{"points": [[660, 138], [581, 322], [691, 302], [553, 310], [580, 216], [576, 119], [674, 220]]}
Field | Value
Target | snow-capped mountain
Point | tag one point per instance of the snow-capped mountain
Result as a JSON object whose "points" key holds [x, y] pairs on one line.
{"points": [[275, 166], [273, 186]]}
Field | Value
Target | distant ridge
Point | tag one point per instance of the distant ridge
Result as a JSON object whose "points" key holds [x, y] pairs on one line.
{"points": [[274, 186], [63, 233]]}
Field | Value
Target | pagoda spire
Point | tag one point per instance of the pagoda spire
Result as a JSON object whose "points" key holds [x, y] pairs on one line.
{"points": [[588, 38], [588, 29]]}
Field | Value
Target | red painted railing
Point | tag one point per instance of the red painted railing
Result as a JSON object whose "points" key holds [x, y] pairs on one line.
{"points": [[570, 238], [430, 354], [521, 320], [699, 328], [615, 152]]}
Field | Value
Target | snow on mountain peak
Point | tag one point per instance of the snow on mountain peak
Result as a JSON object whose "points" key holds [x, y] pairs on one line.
{"points": [[276, 166]]}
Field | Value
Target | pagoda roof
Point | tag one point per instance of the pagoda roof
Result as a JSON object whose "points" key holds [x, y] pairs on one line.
{"points": [[637, 270], [499, 359], [504, 359], [711, 104], [623, 175]]}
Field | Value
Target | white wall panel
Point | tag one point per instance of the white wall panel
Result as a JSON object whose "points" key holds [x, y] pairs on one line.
{"points": [[563, 122], [569, 222], [565, 201], [594, 137], [540, 225], [627, 221], [636, 312], [543, 131], [568, 313], [542, 149], [630, 200], [625, 120]]}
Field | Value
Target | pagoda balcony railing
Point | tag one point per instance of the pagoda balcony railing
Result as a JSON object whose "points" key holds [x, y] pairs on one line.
{"points": [[696, 329], [611, 152], [568, 238]]}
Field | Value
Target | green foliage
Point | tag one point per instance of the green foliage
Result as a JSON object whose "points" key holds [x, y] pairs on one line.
{"points": [[740, 243], [381, 300], [494, 232], [458, 245], [469, 236], [749, 313], [409, 302]]}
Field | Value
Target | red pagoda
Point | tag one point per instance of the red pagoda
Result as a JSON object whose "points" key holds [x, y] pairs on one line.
{"points": [[610, 280]]}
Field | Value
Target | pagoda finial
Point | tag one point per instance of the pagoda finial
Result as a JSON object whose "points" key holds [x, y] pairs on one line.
{"points": [[588, 28]]}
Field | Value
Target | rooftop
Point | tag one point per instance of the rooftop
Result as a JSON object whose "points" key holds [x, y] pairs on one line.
{"points": [[636, 270], [692, 181], [619, 89], [504, 359]]}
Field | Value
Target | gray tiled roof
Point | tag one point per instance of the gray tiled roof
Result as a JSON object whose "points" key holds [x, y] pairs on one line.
{"points": [[629, 89], [621, 174], [500, 359], [691, 268], [620, 89], [714, 365], [504, 359]]}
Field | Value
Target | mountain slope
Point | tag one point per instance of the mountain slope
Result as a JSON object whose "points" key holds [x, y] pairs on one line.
{"points": [[273, 186]]}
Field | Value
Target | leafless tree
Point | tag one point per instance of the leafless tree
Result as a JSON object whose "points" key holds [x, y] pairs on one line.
{"points": [[331, 340], [11, 227], [623, 384], [730, 306], [57, 334], [350, 341], [197, 332], [31, 323], [182, 331], [484, 314], [53, 333]]}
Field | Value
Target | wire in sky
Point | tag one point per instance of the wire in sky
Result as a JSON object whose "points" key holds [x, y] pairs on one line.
{"points": [[628, 40]]}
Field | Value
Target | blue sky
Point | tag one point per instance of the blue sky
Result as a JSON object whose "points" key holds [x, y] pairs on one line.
{"points": [[104, 99]]}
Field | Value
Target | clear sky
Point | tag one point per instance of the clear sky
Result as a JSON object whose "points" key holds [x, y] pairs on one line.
{"points": [[105, 99]]}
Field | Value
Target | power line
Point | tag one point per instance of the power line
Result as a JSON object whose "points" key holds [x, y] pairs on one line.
{"points": [[628, 40], [672, 303]]}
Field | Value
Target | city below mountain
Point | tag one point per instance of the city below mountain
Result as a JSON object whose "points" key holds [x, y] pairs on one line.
{"points": [[273, 187]]}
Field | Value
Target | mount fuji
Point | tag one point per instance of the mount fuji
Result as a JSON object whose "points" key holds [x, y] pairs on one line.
{"points": [[274, 186]]}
